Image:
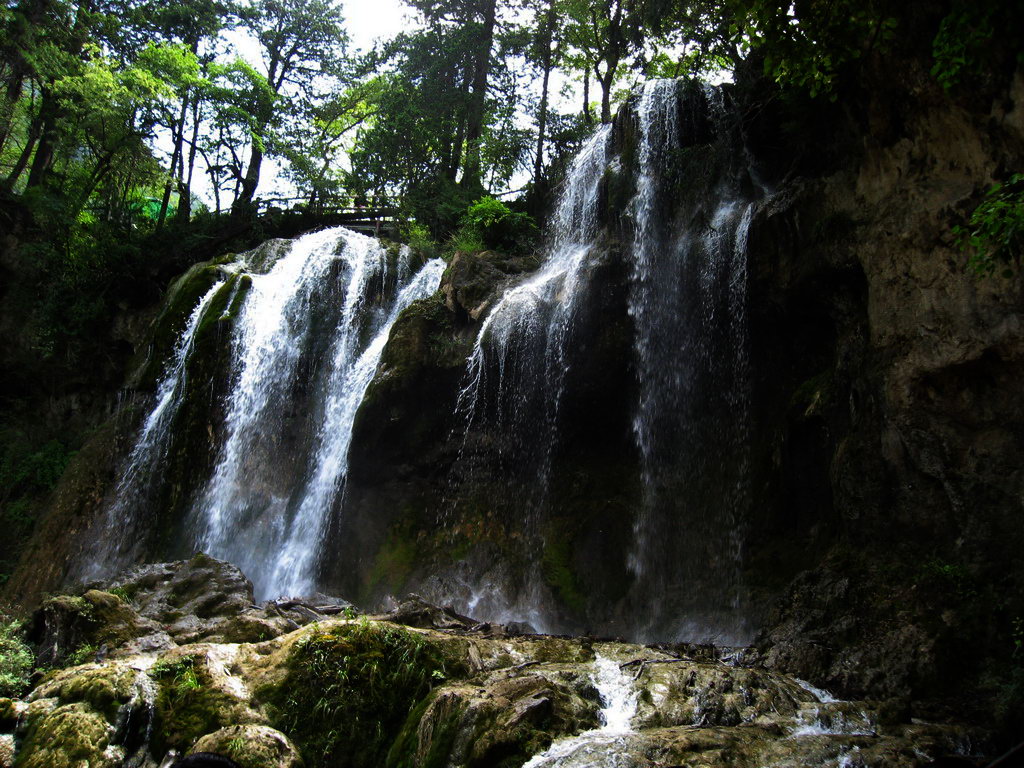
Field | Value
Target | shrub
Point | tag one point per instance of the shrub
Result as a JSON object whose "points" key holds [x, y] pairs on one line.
{"points": [[490, 224], [994, 235], [16, 659]]}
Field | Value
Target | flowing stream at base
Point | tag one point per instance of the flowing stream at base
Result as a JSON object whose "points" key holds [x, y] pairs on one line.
{"points": [[598, 748]]}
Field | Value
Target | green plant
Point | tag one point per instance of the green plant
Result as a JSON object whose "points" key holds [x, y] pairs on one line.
{"points": [[16, 659], [417, 237], [81, 655], [994, 235], [180, 674], [959, 47], [489, 223]]}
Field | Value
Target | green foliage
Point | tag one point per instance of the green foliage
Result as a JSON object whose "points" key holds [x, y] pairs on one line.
{"points": [[963, 50], [16, 659], [363, 679], [489, 224], [83, 654], [959, 46], [951, 578], [994, 235], [187, 706], [807, 46], [418, 238], [26, 469]]}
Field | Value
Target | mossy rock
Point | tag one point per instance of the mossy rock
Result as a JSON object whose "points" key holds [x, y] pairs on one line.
{"points": [[251, 746], [68, 736], [104, 688], [70, 629], [182, 297], [189, 705], [348, 691]]}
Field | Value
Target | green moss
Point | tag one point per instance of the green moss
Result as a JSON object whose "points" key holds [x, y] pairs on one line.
{"points": [[70, 736], [556, 563], [187, 705], [394, 561], [404, 752], [105, 689], [182, 297], [348, 691], [813, 393], [251, 746]]}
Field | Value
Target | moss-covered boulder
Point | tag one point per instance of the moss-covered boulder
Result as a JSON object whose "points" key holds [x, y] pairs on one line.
{"points": [[360, 680], [70, 629], [251, 746]]}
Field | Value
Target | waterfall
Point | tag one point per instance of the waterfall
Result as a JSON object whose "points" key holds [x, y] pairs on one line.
{"points": [[603, 746], [140, 470], [522, 342], [515, 374], [273, 530], [683, 241], [687, 300], [305, 344], [350, 376]]}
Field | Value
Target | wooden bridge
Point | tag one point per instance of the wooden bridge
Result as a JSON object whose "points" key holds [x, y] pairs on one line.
{"points": [[374, 215]]}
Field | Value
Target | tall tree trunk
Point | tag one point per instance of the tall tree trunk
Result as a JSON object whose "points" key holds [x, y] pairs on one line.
{"points": [[185, 189], [46, 147], [251, 180], [460, 131], [587, 117], [23, 158], [14, 90], [475, 116], [542, 118], [179, 141], [606, 81], [49, 109]]}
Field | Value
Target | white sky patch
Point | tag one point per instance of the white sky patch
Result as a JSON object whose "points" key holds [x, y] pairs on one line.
{"points": [[371, 21]]}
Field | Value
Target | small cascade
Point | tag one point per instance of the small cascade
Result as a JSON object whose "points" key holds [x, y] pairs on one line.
{"points": [[267, 518], [133, 727], [141, 469], [601, 747], [830, 716], [516, 372]]}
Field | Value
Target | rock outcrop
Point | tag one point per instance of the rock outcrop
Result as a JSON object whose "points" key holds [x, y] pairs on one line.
{"points": [[368, 692]]}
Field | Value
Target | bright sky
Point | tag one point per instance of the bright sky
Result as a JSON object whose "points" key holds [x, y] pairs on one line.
{"points": [[368, 21]]}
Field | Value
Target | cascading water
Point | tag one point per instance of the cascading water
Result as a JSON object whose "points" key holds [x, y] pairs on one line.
{"points": [[684, 246], [140, 470], [515, 375], [274, 532], [305, 345], [601, 747], [687, 301], [524, 337]]}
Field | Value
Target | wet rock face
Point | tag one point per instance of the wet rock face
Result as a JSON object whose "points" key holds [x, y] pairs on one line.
{"points": [[893, 427], [369, 692]]}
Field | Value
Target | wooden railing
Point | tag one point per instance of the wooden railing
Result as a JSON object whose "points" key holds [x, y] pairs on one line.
{"points": [[371, 214]]}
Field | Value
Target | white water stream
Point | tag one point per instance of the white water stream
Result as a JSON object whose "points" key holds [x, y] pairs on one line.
{"points": [[601, 747], [275, 534]]}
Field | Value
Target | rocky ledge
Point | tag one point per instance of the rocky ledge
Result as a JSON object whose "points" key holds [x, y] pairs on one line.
{"points": [[175, 658]]}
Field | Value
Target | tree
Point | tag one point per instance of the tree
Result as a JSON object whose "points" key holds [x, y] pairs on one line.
{"points": [[302, 42]]}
